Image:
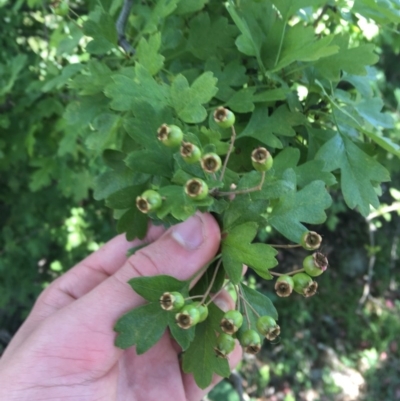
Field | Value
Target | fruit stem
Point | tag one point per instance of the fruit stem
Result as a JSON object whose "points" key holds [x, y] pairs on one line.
{"points": [[233, 137], [287, 274], [244, 191], [204, 268], [285, 246], [211, 282], [216, 294], [248, 303], [194, 297], [244, 302]]}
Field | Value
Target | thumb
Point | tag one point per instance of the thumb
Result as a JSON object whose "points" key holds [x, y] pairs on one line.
{"points": [[179, 252]]}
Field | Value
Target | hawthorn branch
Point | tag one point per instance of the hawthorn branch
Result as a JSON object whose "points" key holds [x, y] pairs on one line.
{"points": [[121, 26]]}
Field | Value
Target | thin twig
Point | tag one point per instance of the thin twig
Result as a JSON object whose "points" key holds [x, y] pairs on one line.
{"points": [[321, 14], [233, 137], [243, 191], [248, 303], [212, 281], [287, 274], [245, 307], [285, 246], [121, 25]]}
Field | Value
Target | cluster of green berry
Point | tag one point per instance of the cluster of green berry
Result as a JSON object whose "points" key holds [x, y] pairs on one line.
{"points": [[313, 266], [190, 314], [196, 188]]}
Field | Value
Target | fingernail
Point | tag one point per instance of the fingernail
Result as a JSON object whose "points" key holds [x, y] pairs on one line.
{"points": [[222, 304], [190, 233]]}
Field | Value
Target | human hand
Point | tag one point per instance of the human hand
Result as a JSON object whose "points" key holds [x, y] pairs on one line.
{"points": [[65, 348]]}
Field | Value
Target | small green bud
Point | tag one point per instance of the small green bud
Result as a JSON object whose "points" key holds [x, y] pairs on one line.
{"points": [[304, 284], [172, 301], [196, 188], [284, 286], [231, 321], [310, 240], [250, 341], [224, 117], [225, 345], [188, 316], [148, 201], [170, 135], [268, 327], [261, 159], [211, 163], [190, 153], [315, 264]]}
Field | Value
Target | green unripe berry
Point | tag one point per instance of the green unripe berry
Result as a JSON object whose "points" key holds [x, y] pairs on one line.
{"points": [[250, 341], [231, 321], [196, 189], [310, 240], [203, 309], [148, 201], [224, 117], [315, 264], [267, 326], [211, 163], [304, 284], [225, 345], [261, 159], [170, 135], [172, 301], [284, 286], [188, 316], [301, 281], [190, 153]]}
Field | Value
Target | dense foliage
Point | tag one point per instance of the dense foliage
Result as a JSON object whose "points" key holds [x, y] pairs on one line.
{"points": [[297, 75]]}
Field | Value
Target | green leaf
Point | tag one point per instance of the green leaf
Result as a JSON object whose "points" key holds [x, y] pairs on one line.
{"points": [[150, 162], [148, 55], [229, 76], [188, 100], [142, 128], [142, 326], [159, 11], [173, 203], [252, 37], [305, 173], [238, 250], [206, 38], [151, 288], [264, 127], [135, 88], [293, 208], [359, 172], [200, 359], [242, 101], [186, 7], [134, 223], [353, 61], [125, 198], [113, 181], [300, 44], [102, 29]]}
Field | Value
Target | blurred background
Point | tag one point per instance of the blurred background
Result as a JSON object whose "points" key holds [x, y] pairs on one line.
{"points": [[341, 345]]}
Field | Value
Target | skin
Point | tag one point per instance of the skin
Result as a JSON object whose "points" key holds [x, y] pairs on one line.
{"points": [[65, 348]]}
